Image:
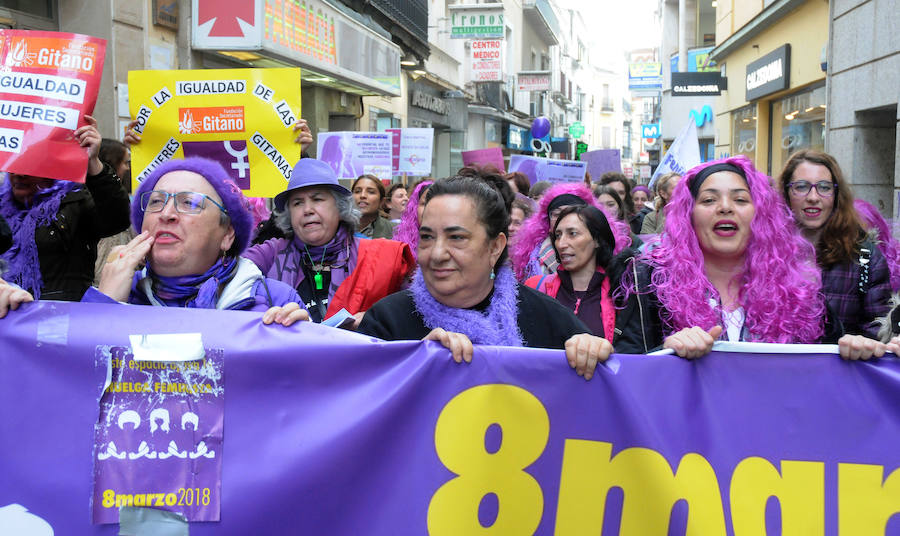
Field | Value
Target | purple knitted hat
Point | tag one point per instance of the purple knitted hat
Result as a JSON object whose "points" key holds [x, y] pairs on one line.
{"points": [[233, 200]]}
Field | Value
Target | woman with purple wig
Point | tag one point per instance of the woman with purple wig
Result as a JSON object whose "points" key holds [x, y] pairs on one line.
{"points": [[533, 252], [407, 231], [729, 265]]}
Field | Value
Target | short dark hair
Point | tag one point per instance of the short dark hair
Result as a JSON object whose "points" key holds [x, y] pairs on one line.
{"points": [[490, 207], [494, 177], [112, 152], [597, 224]]}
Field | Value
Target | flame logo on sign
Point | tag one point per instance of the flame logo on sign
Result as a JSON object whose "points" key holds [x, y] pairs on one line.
{"points": [[19, 55], [187, 124]]}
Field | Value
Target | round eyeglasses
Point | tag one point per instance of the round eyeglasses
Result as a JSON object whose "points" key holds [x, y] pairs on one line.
{"points": [[185, 202]]}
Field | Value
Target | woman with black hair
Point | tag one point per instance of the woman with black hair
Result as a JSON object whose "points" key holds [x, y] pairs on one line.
{"points": [[464, 293], [588, 273]]}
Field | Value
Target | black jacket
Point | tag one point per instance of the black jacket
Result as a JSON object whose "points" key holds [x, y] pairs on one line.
{"points": [[67, 248]]}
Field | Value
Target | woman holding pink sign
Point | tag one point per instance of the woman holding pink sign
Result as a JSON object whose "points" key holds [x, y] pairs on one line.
{"points": [[56, 224]]}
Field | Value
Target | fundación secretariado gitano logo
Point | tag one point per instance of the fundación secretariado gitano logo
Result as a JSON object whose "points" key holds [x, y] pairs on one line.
{"points": [[211, 120], [52, 53]]}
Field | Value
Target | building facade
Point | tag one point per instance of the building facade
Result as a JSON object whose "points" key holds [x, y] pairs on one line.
{"points": [[772, 55], [862, 98]]}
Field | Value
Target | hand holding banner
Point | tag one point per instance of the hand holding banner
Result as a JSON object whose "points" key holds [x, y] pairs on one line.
{"points": [[243, 118], [49, 83]]}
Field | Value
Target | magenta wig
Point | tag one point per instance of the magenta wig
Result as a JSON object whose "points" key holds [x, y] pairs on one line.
{"points": [[537, 227], [873, 219], [780, 285], [408, 229], [258, 209]]}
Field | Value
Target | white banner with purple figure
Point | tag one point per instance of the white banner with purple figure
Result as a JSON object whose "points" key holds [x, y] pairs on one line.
{"points": [[546, 169], [352, 154]]}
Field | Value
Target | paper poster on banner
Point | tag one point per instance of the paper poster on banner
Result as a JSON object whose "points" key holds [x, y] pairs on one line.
{"points": [[48, 83], [601, 161], [243, 118], [546, 169], [414, 151], [352, 154], [491, 155], [158, 440]]}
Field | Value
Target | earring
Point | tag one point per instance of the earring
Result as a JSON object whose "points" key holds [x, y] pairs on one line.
{"points": [[492, 275]]}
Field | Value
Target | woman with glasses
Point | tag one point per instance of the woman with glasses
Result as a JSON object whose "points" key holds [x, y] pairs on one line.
{"points": [[855, 274], [194, 225]]}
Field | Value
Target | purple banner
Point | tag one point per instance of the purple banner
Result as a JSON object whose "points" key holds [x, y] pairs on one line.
{"points": [[329, 432], [232, 154]]}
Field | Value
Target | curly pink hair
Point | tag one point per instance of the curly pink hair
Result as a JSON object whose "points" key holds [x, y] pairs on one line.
{"points": [[408, 228], [537, 227], [780, 286]]}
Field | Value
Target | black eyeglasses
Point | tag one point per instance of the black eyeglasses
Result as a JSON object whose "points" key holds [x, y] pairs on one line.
{"points": [[802, 188], [185, 202]]}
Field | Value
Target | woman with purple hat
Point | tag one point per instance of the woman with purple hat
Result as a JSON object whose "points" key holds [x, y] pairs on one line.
{"points": [[194, 225], [330, 266]]}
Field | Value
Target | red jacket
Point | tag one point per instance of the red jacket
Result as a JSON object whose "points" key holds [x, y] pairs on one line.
{"points": [[381, 267]]}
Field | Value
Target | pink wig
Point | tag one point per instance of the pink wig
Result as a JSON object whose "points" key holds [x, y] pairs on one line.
{"points": [[258, 209], [408, 228], [780, 286], [537, 227], [873, 219]]}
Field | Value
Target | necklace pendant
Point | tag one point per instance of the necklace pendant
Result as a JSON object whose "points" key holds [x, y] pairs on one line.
{"points": [[318, 280]]}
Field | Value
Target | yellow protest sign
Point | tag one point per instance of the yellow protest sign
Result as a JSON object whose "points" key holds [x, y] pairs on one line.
{"points": [[243, 118]]}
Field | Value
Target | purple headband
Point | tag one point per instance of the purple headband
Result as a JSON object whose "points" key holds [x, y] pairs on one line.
{"points": [[232, 199]]}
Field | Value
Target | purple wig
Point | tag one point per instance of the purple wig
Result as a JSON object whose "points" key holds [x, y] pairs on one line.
{"points": [[873, 219], [537, 227], [233, 200], [642, 188], [780, 285], [408, 229]]}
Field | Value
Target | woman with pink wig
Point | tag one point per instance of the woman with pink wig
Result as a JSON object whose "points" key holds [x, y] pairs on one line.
{"points": [[731, 265], [881, 232], [407, 230], [533, 252]]}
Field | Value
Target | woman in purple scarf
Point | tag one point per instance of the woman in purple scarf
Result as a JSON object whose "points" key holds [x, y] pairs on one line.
{"points": [[324, 260], [56, 224], [194, 224], [465, 293]]}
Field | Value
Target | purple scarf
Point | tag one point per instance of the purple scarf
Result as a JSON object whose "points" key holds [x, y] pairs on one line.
{"points": [[338, 253], [192, 291], [497, 326], [24, 267]]}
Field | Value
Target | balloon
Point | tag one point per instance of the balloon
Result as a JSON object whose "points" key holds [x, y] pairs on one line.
{"points": [[540, 127]]}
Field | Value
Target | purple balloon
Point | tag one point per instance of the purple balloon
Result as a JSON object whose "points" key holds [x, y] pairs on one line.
{"points": [[540, 127]]}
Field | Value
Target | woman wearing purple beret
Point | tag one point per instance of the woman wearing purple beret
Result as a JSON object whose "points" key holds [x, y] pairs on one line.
{"points": [[194, 225]]}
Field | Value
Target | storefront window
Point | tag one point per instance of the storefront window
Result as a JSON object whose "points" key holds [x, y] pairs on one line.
{"points": [[798, 122], [41, 8], [743, 132]]}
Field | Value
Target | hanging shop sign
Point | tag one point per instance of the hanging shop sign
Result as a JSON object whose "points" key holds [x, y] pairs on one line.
{"points": [[645, 75], [697, 84], [533, 81], [476, 21], [769, 74], [487, 60]]}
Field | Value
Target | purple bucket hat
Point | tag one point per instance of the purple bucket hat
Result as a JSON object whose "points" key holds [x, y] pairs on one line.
{"points": [[233, 200], [310, 172]]}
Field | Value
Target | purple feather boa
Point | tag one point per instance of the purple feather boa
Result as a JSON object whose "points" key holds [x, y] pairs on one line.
{"points": [[497, 326], [24, 268]]}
